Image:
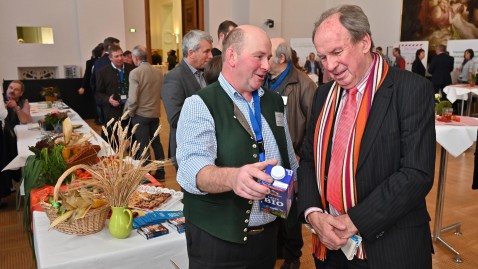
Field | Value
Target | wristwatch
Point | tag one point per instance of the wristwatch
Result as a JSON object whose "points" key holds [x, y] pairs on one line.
{"points": [[17, 108]]}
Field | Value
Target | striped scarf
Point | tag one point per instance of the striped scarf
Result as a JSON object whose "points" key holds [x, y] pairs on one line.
{"points": [[324, 132]]}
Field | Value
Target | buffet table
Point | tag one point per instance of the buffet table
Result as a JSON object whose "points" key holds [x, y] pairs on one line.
{"points": [[29, 134], [461, 92], [100, 250], [454, 138]]}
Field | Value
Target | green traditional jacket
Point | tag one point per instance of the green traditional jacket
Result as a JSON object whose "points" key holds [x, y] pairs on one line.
{"points": [[226, 215]]}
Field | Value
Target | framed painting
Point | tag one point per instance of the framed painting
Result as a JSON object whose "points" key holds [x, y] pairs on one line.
{"points": [[439, 20]]}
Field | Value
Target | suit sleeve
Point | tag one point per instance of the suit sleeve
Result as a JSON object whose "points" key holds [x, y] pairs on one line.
{"points": [[133, 93], [399, 199], [173, 96], [101, 93]]}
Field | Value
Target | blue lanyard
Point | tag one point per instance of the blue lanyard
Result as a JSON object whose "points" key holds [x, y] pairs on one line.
{"points": [[121, 76], [256, 122], [279, 79]]}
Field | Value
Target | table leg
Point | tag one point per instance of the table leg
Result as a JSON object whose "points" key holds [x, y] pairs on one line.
{"points": [[462, 105], [470, 101], [439, 209]]}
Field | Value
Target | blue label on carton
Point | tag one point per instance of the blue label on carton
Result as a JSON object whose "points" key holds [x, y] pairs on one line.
{"points": [[279, 200]]}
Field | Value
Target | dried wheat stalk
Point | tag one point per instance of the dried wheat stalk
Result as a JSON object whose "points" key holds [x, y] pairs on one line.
{"points": [[119, 175]]}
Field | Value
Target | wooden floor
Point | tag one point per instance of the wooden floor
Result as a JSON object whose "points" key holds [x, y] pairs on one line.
{"points": [[461, 204]]}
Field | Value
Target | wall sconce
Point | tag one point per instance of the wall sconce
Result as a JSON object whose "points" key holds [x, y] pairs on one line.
{"points": [[176, 36], [270, 23]]}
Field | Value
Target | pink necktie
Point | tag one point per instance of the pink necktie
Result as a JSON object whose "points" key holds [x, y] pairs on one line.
{"points": [[341, 140]]}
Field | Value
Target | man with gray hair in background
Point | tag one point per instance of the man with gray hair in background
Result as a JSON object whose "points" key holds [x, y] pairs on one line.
{"points": [[297, 91], [144, 103], [185, 79]]}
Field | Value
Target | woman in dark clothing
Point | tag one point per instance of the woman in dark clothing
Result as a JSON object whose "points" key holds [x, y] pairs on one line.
{"points": [[172, 59], [417, 66]]}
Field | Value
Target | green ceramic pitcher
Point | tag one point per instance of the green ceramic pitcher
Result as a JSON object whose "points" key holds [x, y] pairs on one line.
{"points": [[121, 222]]}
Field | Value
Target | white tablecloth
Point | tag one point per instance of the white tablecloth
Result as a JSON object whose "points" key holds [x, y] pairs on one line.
{"points": [[457, 139], [100, 250], [459, 91], [30, 134]]}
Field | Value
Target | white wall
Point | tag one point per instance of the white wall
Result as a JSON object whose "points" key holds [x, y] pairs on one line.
{"points": [[295, 18], [79, 25], [134, 18]]}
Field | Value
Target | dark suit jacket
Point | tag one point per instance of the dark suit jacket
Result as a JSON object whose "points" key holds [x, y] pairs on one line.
{"points": [[100, 63], [417, 67], [395, 172], [108, 83], [307, 67], [85, 84], [440, 67], [179, 84]]}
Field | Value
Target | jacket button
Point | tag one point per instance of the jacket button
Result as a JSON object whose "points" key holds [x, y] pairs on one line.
{"points": [[254, 155], [246, 221], [248, 212], [245, 230], [234, 116], [254, 146], [250, 202], [245, 238]]}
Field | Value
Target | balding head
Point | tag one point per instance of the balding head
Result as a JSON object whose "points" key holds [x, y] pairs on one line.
{"points": [[246, 54]]}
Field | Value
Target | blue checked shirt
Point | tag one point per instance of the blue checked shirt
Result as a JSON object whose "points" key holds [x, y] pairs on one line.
{"points": [[197, 145]]}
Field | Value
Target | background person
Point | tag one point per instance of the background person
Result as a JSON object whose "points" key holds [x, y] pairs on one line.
{"points": [[185, 79], [18, 112], [417, 66], [467, 67], [144, 104], [441, 65], [298, 91], [399, 61], [224, 28]]}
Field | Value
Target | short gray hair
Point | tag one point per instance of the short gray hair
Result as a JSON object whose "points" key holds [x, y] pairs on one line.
{"points": [[192, 39], [285, 49], [140, 52], [352, 18]]}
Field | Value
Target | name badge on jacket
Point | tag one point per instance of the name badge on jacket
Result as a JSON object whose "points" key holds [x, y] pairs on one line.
{"points": [[280, 119]]}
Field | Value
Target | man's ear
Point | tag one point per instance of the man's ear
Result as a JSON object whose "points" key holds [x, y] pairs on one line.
{"points": [[282, 59], [231, 56]]}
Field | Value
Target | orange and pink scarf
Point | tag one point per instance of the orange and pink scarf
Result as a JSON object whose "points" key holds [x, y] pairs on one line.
{"points": [[324, 132]]}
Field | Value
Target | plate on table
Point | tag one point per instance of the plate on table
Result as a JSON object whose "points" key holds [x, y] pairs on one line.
{"points": [[150, 198]]}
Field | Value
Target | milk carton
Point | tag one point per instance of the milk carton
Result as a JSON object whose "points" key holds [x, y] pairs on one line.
{"points": [[279, 200]]}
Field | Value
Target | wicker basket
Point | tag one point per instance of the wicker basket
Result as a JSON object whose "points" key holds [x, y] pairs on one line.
{"points": [[93, 221]]}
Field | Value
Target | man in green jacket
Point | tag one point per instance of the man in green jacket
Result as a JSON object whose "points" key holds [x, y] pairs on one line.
{"points": [[227, 134]]}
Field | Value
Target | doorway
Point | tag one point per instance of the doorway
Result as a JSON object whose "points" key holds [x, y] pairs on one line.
{"points": [[167, 21]]}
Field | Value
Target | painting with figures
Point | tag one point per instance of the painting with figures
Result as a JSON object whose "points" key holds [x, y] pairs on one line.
{"points": [[439, 20]]}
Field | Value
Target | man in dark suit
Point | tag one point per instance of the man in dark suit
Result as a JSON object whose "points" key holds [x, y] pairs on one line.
{"points": [[185, 79], [112, 86], [369, 153], [440, 67], [100, 63]]}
